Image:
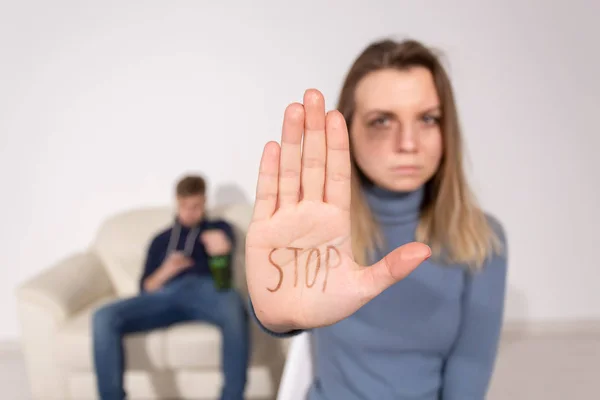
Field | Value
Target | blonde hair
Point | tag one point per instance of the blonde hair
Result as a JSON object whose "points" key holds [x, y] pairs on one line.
{"points": [[451, 222]]}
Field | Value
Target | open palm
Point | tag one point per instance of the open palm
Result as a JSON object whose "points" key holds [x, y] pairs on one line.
{"points": [[299, 265]]}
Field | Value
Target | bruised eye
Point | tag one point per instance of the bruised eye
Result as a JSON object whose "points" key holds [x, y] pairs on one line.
{"points": [[380, 122]]}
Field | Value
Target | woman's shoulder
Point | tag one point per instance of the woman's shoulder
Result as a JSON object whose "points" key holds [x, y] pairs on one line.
{"points": [[499, 239], [496, 226]]}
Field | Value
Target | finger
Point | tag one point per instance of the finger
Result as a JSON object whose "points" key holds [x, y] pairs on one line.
{"points": [[313, 152], [394, 267], [290, 160], [337, 171], [266, 188]]}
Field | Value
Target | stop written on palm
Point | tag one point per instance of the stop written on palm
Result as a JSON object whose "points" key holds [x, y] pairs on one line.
{"points": [[301, 272]]}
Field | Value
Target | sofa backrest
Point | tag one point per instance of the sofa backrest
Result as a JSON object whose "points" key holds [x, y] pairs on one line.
{"points": [[122, 242]]}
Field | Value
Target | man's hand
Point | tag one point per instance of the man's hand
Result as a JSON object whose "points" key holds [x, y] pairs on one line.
{"points": [[174, 264], [177, 262], [216, 242]]}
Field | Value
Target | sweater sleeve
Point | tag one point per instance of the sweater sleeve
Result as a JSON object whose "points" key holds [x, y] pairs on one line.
{"points": [[154, 258], [228, 230], [469, 367], [264, 329]]}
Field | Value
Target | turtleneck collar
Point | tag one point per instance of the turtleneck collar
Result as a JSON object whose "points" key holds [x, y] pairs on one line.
{"points": [[391, 207]]}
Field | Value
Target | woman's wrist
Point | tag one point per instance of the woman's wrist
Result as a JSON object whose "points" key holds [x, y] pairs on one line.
{"points": [[281, 330]]}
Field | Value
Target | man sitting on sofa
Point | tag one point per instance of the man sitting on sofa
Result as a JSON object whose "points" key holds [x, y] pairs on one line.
{"points": [[181, 282]]}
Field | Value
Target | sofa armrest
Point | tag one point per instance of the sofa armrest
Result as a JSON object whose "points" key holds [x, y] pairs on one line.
{"points": [[67, 287], [44, 303]]}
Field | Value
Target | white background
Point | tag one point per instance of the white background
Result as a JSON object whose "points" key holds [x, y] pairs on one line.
{"points": [[103, 105]]}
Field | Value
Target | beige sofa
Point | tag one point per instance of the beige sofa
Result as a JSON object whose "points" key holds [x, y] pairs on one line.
{"points": [[181, 362]]}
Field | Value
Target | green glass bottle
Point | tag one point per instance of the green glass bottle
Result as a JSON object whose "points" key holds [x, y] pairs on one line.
{"points": [[221, 271]]}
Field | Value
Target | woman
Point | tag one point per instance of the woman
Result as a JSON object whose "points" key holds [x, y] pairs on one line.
{"points": [[366, 232]]}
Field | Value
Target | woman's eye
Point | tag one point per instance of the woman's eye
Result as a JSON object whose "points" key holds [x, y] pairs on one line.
{"points": [[431, 120], [380, 121]]}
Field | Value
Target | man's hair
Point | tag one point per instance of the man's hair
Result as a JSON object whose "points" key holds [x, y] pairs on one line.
{"points": [[191, 185]]}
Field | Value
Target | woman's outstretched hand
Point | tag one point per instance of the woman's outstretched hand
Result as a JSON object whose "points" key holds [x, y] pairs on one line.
{"points": [[299, 265]]}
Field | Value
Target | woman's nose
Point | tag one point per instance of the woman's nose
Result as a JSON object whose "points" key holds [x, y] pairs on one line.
{"points": [[406, 140]]}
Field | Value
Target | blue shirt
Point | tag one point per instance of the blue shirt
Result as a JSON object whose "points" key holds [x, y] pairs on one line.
{"points": [[431, 336], [159, 247]]}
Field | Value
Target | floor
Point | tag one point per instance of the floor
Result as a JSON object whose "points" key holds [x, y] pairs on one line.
{"points": [[13, 381], [548, 368], [544, 367]]}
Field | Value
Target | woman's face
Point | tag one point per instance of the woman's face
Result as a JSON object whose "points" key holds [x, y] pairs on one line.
{"points": [[396, 135]]}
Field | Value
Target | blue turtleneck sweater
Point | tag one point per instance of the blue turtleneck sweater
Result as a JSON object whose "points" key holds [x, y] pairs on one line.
{"points": [[431, 336]]}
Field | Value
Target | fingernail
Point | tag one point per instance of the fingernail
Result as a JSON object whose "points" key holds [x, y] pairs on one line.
{"points": [[421, 252], [428, 253]]}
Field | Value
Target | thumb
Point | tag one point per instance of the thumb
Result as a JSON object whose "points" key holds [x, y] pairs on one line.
{"points": [[394, 267]]}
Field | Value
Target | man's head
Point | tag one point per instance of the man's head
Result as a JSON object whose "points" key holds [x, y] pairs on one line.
{"points": [[191, 194]]}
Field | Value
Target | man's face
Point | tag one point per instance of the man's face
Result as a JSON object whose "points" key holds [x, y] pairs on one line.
{"points": [[190, 209]]}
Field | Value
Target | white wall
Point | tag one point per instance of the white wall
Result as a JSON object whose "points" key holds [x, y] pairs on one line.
{"points": [[103, 106]]}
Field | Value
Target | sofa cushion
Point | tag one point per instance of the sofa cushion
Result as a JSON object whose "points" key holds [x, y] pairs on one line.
{"points": [[192, 345], [74, 339]]}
